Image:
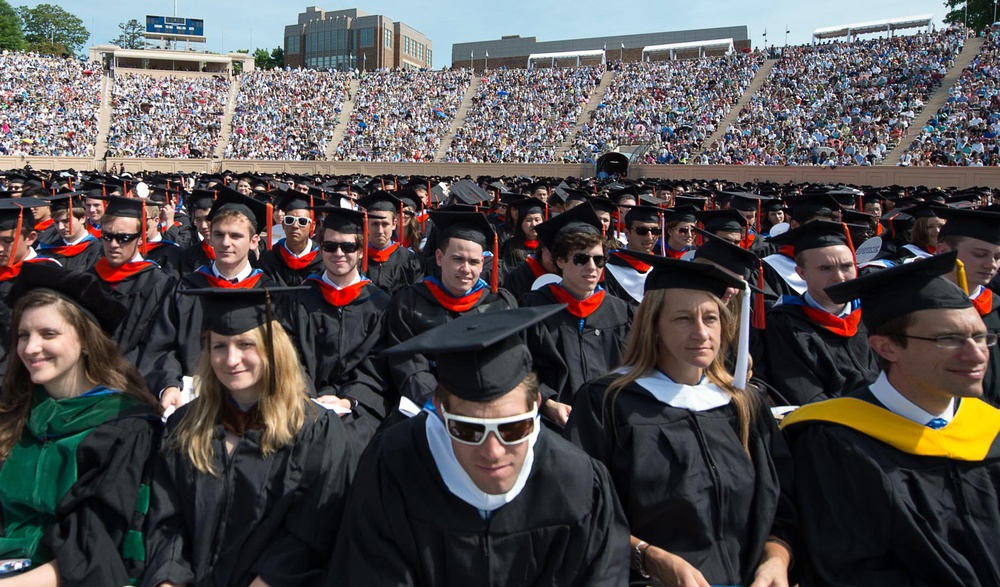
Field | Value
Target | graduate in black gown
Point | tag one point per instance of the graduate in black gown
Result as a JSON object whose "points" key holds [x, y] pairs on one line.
{"points": [[250, 483], [158, 246], [818, 348], [695, 456], [475, 491], [72, 245], [526, 213], [198, 251], [779, 267], [625, 273], [141, 286], [338, 325], [465, 238], [897, 482], [295, 257], [77, 428], [391, 266]]}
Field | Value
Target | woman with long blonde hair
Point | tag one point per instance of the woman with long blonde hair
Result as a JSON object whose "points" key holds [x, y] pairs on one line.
{"points": [[249, 486], [695, 456]]}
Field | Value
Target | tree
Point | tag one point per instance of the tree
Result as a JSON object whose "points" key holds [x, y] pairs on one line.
{"points": [[132, 36], [981, 13], [11, 35], [262, 59], [47, 26], [278, 57]]}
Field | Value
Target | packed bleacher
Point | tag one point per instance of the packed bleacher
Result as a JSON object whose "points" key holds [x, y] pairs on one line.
{"points": [[287, 114], [169, 117], [844, 103], [677, 103], [523, 115], [401, 115], [50, 105], [965, 130]]}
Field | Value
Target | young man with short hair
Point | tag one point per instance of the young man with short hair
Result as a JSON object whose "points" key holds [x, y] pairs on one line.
{"points": [[391, 266], [296, 256], [73, 246]]}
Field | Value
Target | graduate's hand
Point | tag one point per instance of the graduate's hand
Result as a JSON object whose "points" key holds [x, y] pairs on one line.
{"points": [[672, 570], [169, 584], [557, 412], [171, 396], [258, 582], [773, 568], [167, 214], [332, 400]]}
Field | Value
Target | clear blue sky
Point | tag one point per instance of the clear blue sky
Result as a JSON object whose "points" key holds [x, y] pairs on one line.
{"points": [[247, 24]]}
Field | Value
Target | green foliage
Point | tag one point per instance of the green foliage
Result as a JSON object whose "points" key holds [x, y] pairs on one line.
{"points": [[264, 60], [980, 13], [278, 57], [47, 25], [132, 35], [11, 35]]}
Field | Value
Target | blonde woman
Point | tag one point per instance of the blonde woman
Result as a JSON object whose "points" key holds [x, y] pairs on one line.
{"points": [[696, 459], [249, 486]]}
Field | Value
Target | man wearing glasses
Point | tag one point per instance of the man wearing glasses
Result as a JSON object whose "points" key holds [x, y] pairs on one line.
{"points": [[295, 257], [476, 491], [391, 266], [140, 285], [626, 273], [897, 482]]}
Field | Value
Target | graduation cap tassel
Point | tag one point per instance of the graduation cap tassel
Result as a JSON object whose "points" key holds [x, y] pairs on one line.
{"points": [[142, 227], [743, 348], [71, 214], [364, 246], [402, 230], [861, 204], [495, 264], [759, 321], [272, 377], [12, 250], [850, 243], [270, 224], [663, 235], [430, 200], [69, 181], [382, 179], [963, 281]]}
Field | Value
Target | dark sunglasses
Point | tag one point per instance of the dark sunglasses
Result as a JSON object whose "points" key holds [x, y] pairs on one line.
{"points": [[293, 220], [581, 259], [511, 430], [122, 238], [685, 230], [333, 247], [641, 231]]}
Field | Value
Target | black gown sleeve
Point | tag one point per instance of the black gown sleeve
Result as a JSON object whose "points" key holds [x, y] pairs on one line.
{"points": [[96, 514], [411, 376], [791, 362], [608, 547], [168, 548]]}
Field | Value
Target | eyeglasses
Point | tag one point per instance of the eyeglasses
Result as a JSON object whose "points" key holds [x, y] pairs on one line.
{"points": [[685, 230], [333, 247], [510, 430], [293, 220], [951, 342], [641, 231], [581, 259], [121, 238]]}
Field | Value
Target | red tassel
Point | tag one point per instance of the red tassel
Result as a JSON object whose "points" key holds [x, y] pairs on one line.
{"points": [[430, 201], [71, 215], [142, 227], [382, 179], [546, 210], [395, 184], [495, 265], [312, 217], [364, 247], [12, 251], [850, 243], [861, 204], [759, 322], [270, 224], [402, 232]]}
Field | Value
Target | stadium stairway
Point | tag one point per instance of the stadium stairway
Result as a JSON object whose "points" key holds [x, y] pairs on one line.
{"points": [[596, 98], [343, 121], [758, 80], [104, 117], [226, 132], [459, 121], [936, 100]]}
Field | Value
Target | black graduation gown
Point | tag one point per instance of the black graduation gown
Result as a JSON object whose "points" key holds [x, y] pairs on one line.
{"points": [[590, 348], [99, 509], [775, 281], [685, 481], [807, 362], [518, 281], [413, 311], [339, 348], [614, 287], [512, 253], [274, 517], [875, 515], [404, 527], [81, 261], [274, 266], [166, 254], [143, 295], [402, 268], [173, 346], [192, 257]]}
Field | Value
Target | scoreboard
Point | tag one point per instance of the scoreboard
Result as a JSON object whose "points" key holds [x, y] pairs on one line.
{"points": [[175, 27]]}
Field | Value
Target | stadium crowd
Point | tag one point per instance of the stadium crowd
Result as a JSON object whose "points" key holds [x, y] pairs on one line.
{"points": [[287, 114], [50, 106], [402, 115], [162, 116], [523, 115]]}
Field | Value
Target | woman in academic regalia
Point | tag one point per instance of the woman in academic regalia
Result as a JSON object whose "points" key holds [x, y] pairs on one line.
{"points": [[530, 213], [77, 427], [695, 456], [249, 486]]}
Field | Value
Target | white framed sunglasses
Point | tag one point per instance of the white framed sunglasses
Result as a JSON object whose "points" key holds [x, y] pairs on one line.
{"points": [[473, 431]]}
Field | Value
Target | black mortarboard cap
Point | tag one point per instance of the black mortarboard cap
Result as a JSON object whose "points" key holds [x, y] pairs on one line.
{"points": [[925, 210], [725, 254], [722, 220], [528, 205], [805, 207], [123, 207], [234, 311], [342, 220], [200, 200], [812, 235], [744, 201], [581, 218], [294, 200], [60, 202], [467, 191], [83, 290], [692, 202], [984, 226], [480, 356], [411, 198], [228, 199], [602, 204], [470, 226], [380, 201], [680, 214], [643, 214], [11, 209], [670, 273], [897, 291]]}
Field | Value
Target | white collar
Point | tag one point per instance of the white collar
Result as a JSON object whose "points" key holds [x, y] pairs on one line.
{"points": [[247, 270], [630, 279], [156, 238], [79, 240], [785, 268], [697, 398], [812, 302], [310, 247], [137, 257], [458, 481], [31, 254], [328, 281], [979, 291], [898, 404]]}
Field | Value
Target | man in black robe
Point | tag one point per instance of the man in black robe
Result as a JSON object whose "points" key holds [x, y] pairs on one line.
{"points": [[295, 257], [477, 491], [391, 266], [625, 273], [817, 348], [779, 267], [897, 482], [199, 251], [73, 246]]}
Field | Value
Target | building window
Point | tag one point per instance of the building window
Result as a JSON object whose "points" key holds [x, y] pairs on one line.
{"points": [[293, 44], [366, 38], [388, 38]]}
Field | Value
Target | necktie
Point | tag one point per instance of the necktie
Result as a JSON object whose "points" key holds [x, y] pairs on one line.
{"points": [[937, 423]]}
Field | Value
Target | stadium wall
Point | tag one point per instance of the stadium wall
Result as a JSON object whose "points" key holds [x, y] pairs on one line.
{"points": [[961, 177]]}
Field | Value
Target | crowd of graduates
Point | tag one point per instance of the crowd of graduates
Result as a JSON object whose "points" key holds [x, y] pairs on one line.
{"points": [[507, 381]]}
